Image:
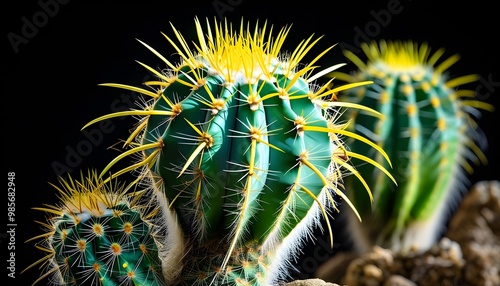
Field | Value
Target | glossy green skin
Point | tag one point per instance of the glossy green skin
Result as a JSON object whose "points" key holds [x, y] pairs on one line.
{"points": [[85, 258], [223, 164], [220, 194]]}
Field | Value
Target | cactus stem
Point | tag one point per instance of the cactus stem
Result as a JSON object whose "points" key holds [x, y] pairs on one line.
{"points": [[421, 108]]}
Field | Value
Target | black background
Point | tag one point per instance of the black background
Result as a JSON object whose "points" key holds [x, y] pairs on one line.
{"points": [[50, 91]]}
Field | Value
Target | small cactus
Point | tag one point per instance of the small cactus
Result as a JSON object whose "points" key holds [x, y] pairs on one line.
{"points": [[429, 132], [97, 236], [245, 146]]}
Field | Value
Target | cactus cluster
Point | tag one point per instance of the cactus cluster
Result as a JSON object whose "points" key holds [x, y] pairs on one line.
{"points": [[429, 131], [241, 153]]}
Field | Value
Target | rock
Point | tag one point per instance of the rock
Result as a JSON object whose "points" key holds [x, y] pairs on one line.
{"points": [[333, 269], [440, 265], [476, 227], [398, 280], [310, 282], [371, 269], [468, 253]]}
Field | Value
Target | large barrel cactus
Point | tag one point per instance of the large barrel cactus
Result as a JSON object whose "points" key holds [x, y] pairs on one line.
{"points": [[242, 147], [430, 134], [96, 235]]}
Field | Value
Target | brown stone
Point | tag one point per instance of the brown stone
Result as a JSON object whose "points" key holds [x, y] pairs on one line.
{"points": [[468, 254]]}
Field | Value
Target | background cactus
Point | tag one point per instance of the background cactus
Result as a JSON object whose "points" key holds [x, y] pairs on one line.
{"points": [[106, 33], [97, 236], [246, 148], [430, 134]]}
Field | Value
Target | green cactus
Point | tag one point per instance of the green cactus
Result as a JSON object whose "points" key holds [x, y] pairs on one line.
{"points": [[247, 147], [96, 236], [243, 151], [429, 132]]}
